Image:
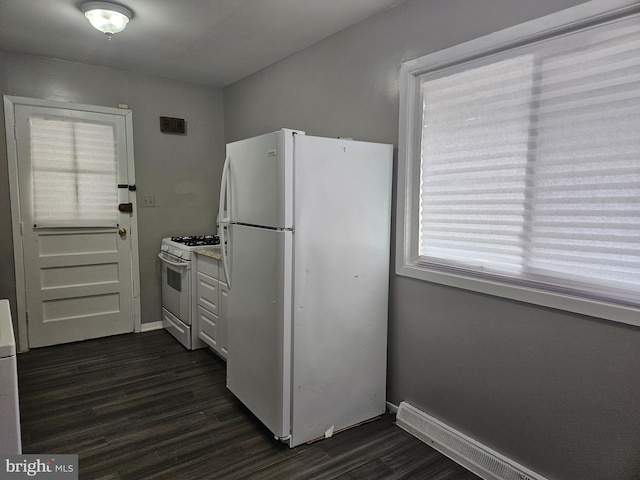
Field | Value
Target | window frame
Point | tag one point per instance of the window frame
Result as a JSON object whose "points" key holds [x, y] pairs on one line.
{"points": [[410, 131]]}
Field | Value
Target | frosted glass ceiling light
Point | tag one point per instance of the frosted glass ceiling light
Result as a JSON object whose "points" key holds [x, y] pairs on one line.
{"points": [[107, 17]]}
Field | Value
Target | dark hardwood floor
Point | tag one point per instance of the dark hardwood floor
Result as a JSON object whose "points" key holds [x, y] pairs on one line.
{"points": [[141, 407]]}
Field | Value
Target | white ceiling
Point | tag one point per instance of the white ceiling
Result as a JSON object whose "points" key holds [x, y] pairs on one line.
{"points": [[212, 42]]}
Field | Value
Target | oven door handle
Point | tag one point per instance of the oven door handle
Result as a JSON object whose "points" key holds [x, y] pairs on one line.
{"points": [[175, 264]]}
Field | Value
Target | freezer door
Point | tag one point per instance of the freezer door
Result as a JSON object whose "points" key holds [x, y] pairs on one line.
{"points": [[260, 180], [259, 324]]}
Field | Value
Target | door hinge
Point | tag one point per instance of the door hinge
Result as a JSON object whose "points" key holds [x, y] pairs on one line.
{"points": [[15, 132]]}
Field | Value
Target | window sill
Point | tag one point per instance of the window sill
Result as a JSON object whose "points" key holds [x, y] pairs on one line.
{"points": [[583, 306]]}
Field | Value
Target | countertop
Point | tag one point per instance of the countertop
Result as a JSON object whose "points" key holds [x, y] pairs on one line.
{"points": [[213, 252]]}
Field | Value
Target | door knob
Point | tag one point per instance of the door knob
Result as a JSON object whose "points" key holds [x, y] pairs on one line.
{"points": [[122, 231]]}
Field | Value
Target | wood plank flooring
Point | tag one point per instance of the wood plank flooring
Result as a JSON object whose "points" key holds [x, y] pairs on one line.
{"points": [[140, 406]]}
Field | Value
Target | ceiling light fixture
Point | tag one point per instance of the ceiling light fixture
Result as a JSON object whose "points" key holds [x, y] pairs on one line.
{"points": [[107, 17]]}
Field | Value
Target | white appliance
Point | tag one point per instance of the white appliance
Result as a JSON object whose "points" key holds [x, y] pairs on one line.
{"points": [[10, 440], [178, 280], [307, 221]]}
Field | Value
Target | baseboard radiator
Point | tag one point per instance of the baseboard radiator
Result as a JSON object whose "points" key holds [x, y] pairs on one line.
{"points": [[465, 451]]}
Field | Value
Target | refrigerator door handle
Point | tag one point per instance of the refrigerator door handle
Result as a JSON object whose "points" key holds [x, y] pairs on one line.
{"points": [[224, 221], [224, 198]]}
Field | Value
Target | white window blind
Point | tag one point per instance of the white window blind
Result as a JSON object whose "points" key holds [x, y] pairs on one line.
{"points": [[74, 171], [530, 164]]}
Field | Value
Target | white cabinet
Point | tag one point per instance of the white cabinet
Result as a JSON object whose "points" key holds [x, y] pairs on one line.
{"points": [[10, 440], [210, 304]]}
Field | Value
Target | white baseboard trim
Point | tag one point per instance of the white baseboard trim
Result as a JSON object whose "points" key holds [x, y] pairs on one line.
{"points": [[472, 455], [392, 408], [148, 327]]}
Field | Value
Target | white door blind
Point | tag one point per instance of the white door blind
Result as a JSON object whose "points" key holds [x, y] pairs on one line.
{"points": [[530, 163], [74, 168]]}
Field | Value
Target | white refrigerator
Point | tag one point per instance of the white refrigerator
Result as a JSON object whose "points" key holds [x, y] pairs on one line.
{"points": [[305, 222]]}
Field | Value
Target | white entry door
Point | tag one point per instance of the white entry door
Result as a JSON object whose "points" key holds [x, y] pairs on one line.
{"points": [[73, 173]]}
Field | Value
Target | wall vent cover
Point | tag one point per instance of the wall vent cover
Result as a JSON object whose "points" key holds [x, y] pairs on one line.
{"points": [[173, 125]]}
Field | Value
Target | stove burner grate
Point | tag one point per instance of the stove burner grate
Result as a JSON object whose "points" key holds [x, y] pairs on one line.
{"points": [[197, 240]]}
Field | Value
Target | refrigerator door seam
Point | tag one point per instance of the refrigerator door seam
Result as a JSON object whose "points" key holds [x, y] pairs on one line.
{"points": [[265, 227]]}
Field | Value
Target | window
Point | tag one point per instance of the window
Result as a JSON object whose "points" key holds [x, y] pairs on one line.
{"points": [[74, 173], [520, 163]]}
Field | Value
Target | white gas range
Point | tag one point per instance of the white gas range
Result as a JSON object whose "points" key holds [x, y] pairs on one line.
{"points": [[178, 280]]}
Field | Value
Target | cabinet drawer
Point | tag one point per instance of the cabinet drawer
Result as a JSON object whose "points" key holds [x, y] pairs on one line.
{"points": [[207, 292], [209, 328], [208, 266]]}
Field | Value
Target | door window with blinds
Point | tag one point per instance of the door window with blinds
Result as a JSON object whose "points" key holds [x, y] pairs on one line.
{"points": [[74, 173], [523, 167]]}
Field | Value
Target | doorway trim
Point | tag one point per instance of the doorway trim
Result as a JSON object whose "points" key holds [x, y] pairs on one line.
{"points": [[16, 224]]}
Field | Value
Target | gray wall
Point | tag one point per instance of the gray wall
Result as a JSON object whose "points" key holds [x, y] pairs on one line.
{"points": [[557, 392], [182, 172]]}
